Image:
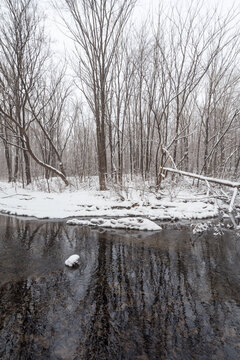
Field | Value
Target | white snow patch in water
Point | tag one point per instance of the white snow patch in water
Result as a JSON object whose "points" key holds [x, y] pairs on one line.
{"points": [[72, 260], [200, 228], [123, 223]]}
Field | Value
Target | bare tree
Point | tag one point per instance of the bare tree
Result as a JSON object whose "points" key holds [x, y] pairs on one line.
{"points": [[24, 53], [96, 29]]}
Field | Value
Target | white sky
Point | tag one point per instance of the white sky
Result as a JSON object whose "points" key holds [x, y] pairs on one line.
{"points": [[143, 9]]}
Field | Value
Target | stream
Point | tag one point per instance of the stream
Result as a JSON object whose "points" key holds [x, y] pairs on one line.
{"points": [[135, 295]]}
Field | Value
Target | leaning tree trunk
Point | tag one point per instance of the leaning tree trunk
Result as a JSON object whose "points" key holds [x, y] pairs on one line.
{"points": [[38, 161]]}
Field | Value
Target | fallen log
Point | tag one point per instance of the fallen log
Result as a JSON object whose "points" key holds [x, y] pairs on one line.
{"points": [[234, 185], [204, 178]]}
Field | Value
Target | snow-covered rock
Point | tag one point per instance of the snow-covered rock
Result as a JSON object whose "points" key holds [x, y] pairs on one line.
{"points": [[72, 260], [200, 228], [217, 231], [122, 223]]}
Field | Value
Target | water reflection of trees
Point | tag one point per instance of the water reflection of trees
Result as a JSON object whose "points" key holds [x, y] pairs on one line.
{"points": [[164, 297], [158, 302]]}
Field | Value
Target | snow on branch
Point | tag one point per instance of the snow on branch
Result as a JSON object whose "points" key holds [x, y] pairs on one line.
{"points": [[235, 185], [204, 178]]}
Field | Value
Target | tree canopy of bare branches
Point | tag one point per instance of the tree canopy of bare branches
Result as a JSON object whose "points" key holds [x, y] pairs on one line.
{"points": [[140, 98]]}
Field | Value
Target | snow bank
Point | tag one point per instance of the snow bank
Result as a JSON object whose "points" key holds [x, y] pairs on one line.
{"points": [[187, 204], [124, 223]]}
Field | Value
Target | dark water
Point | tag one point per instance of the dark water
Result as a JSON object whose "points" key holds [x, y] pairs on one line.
{"points": [[168, 295]]}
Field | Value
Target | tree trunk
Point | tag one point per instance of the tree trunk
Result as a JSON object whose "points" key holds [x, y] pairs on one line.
{"points": [[8, 161], [27, 167]]}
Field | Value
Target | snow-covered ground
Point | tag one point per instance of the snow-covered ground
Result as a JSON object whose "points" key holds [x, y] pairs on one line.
{"points": [[180, 203]]}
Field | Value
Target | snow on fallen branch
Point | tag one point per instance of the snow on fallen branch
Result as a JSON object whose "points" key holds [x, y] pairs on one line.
{"points": [[235, 185], [204, 178]]}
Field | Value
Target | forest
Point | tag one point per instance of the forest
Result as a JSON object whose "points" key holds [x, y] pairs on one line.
{"points": [[126, 99], [120, 179]]}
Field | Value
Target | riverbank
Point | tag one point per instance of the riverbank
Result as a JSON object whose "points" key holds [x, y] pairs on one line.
{"points": [[178, 202]]}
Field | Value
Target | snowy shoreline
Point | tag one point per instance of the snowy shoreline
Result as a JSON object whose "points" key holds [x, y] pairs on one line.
{"points": [[90, 203]]}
